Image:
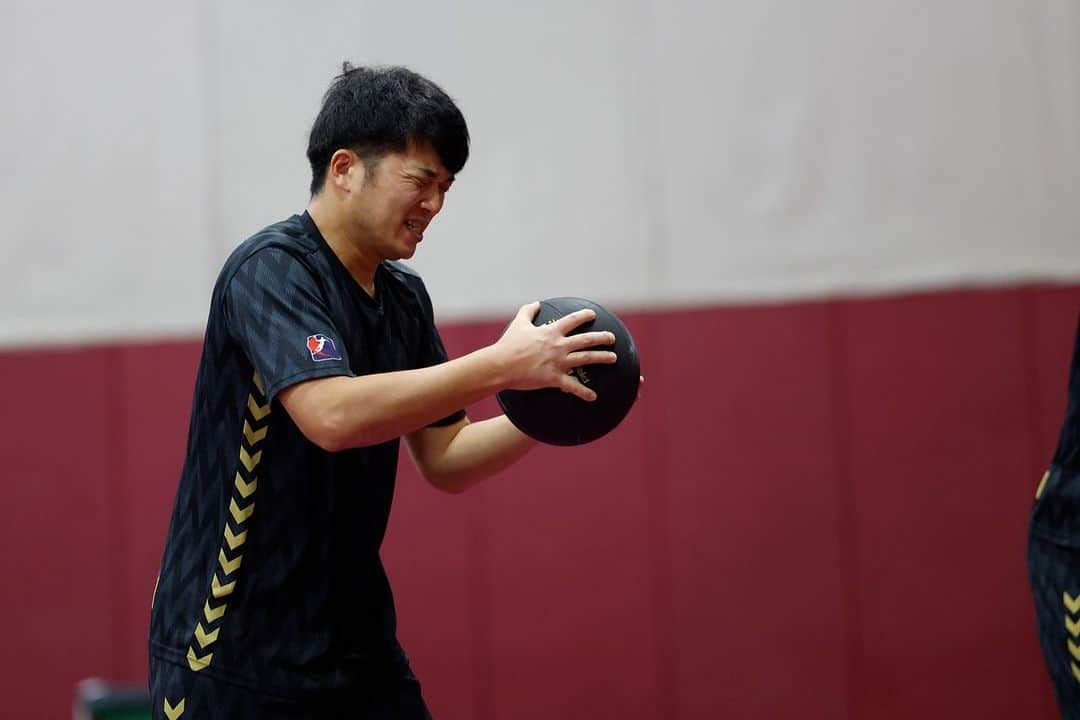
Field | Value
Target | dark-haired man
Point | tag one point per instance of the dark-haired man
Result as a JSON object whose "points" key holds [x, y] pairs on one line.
{"points": [[320, 352]]}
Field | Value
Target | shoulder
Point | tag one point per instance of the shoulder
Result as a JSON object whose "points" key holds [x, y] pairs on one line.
{"points": [[275, 249]]}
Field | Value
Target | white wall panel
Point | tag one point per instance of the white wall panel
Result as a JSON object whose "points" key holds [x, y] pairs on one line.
{"points": [[864, 146], [101, 145], [650, 152]]}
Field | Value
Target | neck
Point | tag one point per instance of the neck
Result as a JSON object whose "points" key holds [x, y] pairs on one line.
{"points": [[335, 230]]}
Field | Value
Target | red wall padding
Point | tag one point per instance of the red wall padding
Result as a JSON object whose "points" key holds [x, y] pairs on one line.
{"points": [[746, 435], [60, 557], [818, 510], [937, 416]]}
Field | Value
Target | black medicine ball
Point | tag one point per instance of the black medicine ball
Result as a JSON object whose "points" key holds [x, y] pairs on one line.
{"points": [[557, 418]]}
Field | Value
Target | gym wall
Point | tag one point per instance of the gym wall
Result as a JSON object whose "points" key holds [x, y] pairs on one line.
{"points": [[843, 234]]}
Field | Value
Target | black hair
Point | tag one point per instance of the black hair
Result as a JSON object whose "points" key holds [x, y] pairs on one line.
{"points": [[376, 110]]}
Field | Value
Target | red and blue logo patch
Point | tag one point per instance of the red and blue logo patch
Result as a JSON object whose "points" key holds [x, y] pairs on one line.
{"points": [[322, 348]]}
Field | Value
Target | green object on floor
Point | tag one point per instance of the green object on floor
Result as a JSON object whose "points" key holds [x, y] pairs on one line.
{"points": [[99, 700]]}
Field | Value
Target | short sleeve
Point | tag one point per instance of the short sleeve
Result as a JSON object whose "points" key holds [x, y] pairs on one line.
{"points": [[276, 312]]}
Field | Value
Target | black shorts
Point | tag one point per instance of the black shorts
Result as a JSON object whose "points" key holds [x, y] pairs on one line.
{"points": [[177, 693], [1054, 571]]}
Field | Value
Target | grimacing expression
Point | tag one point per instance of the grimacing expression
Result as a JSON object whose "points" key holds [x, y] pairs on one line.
{"points": [[393, 202]]}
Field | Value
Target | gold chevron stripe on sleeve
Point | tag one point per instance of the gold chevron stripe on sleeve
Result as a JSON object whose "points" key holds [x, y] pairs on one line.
{"points": [[1071, 603], [254, 437], [205, 638], [258, 383], [197, 663], [240, 515], [229, 566], [250, 461], [1074, 649], [234, 540], [1075, 670], [218, 590], [1042, 484], [173, 713], [1072, 626], [257, 411], [246, 487], [214, 613]]}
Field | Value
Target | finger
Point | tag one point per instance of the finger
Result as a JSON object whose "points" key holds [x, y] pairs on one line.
{"points": [[570, 384], [579, 317], [589, 340], [528, 312], [591, 357]]}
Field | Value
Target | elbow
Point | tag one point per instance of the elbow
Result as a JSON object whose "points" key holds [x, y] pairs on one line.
{"points": [[333, 434], [324, 410], [328, 432], [325, 439], [329, 443], [452, 488], [334, 438], [449, 483]]}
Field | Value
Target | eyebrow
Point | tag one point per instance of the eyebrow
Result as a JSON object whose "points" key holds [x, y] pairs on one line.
{"points": [[432, 173]]}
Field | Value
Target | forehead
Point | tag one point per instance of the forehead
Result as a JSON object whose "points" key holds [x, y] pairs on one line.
{"points": [[421, 158]]}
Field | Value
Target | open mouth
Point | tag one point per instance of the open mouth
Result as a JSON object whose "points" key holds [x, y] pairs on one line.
{"points": [[416, 228]]}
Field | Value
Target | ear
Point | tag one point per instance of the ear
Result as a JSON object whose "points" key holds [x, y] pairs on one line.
{"points": [[346, 171]]}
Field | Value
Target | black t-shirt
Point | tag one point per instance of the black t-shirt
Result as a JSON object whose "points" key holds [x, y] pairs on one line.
{"points": [[1057, 509], [271, 576]]}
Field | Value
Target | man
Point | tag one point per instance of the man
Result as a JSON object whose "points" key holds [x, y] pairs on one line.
{"points": [[1054, 555], [320, 352]]}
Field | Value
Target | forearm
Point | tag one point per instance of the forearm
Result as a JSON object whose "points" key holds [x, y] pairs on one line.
{"points": [[478, 451], [370, 409]]}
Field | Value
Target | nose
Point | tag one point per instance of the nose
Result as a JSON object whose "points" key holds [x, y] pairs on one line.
{"points": [[433, 201]]}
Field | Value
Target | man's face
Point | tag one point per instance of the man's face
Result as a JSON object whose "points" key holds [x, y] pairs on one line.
{"points": [[392, 204]]}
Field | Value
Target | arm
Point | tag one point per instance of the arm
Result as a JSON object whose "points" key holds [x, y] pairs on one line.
{"points": [[455, 457], [341, 412]]}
